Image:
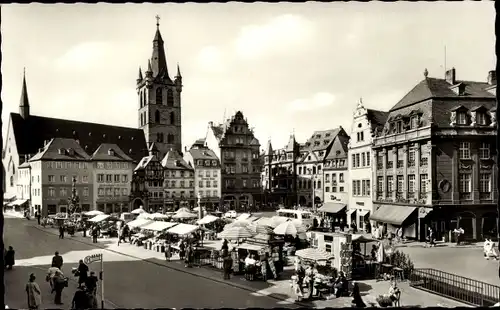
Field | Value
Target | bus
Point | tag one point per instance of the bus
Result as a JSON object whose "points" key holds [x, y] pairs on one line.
{"points": [[305, 218]]}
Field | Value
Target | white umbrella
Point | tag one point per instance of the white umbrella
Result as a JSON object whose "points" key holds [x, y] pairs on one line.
{"points": [[264, 229], [138, 211], [94, 213], [183, 210], [184, 215], [288, 228], [236, 224], [207, 219], [266, 221], [145, 215], [236, 233], [313, 254], [159, 216]]}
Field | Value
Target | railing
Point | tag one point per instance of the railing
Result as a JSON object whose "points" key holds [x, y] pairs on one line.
{"points": [[462, 289]]}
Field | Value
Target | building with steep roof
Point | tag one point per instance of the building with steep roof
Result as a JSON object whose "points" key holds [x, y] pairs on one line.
{"points": [[112, 174], [365, 124], [436, 164], [178, 181], [310, 164], [335, 172], [238, 149], [207, 174], [279, 174], [160, 101]]}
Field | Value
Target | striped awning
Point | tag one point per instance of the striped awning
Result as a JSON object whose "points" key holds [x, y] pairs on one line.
{"points": [[392, 214], [251, 247], [332, 207]]}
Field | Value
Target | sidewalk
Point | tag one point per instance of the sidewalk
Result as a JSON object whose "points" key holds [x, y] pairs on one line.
{"points": [[279, 289]]}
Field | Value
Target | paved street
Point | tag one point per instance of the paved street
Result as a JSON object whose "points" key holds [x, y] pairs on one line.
{"points": [[130, 282]]}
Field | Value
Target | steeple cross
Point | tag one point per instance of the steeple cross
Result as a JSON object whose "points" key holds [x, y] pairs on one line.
{"points": [[157, 20]]}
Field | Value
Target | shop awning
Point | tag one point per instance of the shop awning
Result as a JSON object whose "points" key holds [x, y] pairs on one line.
{"points": [[99, 218], [363, 212], [350, 212], [158, 226], [182, 229], [138, 223], [18, 202], [392, 214], [251, 247], [332, 207]]}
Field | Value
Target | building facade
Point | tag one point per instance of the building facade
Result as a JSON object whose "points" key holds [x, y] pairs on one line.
{"points": [[239, 153], [112, 173], [207, 174], [160, 101], [52, 170], [365, 124], [335, 172], [24, 186], [279, 175], [436, 164], [178, 181]]}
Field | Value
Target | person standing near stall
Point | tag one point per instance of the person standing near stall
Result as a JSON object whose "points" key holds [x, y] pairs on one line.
{"points": [[227, 264]]}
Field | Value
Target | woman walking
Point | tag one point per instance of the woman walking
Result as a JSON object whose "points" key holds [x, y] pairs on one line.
{"points": [[10, 258], [34, 293]]}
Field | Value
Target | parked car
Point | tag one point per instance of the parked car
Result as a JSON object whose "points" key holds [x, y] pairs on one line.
{"points": [[231, 214]]}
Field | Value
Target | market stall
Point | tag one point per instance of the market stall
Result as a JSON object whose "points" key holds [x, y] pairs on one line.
{"points": [[138, 223], [99, 218], [93, 213]]}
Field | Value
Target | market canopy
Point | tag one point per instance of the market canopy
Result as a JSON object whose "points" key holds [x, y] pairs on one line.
{"points": [[99, 218], [183, 229], [250, 246], [138, 211], [243, 217], [207, 219], [266, 221], [145, 215], [158, 226], [332, 207], [159, 216], [93, 213], [361, 239], [184, 215], [138, 223], [288, 228], [183, 209], [314, 254], [236, 233], [392, 214]]}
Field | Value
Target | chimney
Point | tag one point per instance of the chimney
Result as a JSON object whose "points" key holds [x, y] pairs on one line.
{"points": [[450, 76], [492, 77]]}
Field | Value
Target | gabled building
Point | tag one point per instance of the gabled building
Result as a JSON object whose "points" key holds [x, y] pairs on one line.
{"points": [[310, 165], [53, 170], [178, 182], [436, 160], [238, 149], [279, 174], [112, 173], [335, 172], [207, 174], [366, 124], [147, 183]]}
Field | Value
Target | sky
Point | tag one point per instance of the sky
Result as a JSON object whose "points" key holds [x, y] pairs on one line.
{"points": [[288, 67]]}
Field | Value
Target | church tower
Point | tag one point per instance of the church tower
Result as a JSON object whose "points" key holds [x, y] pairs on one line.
{"points": [[24, 104], [160, 101]]}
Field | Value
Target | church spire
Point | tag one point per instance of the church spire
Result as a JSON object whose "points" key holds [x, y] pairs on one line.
{"points": [[139, 78], [158, 59], [24, 104], [178, 71]]}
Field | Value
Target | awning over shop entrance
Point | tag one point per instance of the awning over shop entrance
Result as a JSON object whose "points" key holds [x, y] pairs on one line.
{"points": [[363, 212], [350, 212], [392, 214], [332, 207], [18, 202]]}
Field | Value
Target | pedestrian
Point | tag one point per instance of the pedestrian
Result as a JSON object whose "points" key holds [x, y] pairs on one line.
{"points": [[91, 283], [83, 273], [57, 261], [34, 293], [182, 250], [37, 217], [60, 282], [188, 256], [80, 299], [225, 245], [95, 233], [168, 252], [357, 300], [50, 277], [227, 264], [10, 260], [61, 231]]}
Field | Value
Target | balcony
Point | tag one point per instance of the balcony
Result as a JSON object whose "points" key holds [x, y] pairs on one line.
{"points": [[244, 159], [404, 137]]}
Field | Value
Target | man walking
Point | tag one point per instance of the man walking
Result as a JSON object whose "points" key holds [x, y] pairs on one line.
{"points": [[61, 231], [57, 261]]}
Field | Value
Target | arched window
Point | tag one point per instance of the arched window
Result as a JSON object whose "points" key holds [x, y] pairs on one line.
{"points": [[170, 138], [172, 118], [170, 98], [157, 116], [141, 98], [159, 96]]}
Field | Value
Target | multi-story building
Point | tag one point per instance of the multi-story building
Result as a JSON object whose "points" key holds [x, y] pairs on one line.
{"points": [[179, 181], [207, 174], [147, 183], [365, 124], [112, 173], [279, 177], [310, 165], [24, 186], [53, 170], [335, 172], [238, 149], [436, 163]]}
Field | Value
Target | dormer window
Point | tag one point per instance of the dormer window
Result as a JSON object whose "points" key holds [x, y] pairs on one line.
{"points": [[316, 143], [414, 122], [461, 118], [399, 126], [62, 151], [481, 118], [321, 153], [318, 136], [458, 89], [111, 152], [71, 152], [327, 134]]}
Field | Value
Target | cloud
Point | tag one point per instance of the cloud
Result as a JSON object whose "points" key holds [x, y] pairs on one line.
{"points": [[318, 101], [84, 55], [210, 59], [278, 34]]}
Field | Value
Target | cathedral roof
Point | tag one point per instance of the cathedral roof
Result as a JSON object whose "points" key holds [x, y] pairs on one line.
{"points": [[32, 133]]}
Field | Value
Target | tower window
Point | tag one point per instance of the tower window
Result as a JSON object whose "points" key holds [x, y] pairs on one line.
{"points": [[170, 98], [157, 116], [141, 99], [170, 138], [159, 96], [172, 118], [144, 98]]}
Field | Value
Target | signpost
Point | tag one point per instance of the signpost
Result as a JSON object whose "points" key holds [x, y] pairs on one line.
{"points": [[96, 258]]}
